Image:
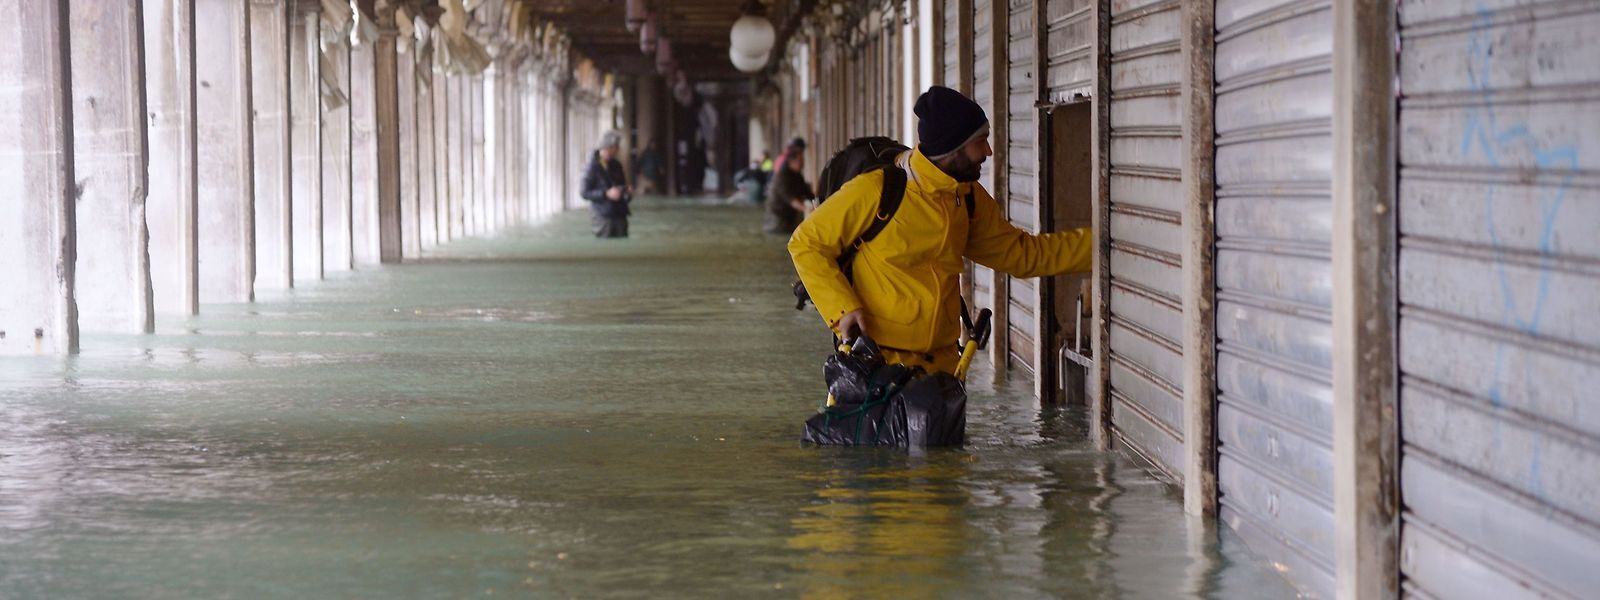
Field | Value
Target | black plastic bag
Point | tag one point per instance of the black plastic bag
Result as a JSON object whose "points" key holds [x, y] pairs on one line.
{"points": [[877, 404]]}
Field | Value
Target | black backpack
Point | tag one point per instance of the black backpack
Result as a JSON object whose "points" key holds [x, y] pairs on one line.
{"points": [[862, 155]]}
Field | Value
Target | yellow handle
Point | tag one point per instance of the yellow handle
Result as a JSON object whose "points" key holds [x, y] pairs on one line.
{"points": [[967, 353]]}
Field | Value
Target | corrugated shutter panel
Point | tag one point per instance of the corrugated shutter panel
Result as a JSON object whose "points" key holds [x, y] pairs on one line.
{"points": [[983, 61], [1070, 29], [1499, 284], [1146, 316], [1022, 160], [1274, 213], [952, 44]]}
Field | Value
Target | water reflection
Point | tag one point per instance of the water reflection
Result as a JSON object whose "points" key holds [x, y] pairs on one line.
{"points": [[552, 416], [876, 531]]}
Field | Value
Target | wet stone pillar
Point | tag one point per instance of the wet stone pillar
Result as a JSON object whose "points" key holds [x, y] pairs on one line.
{"points": [[386, 98], [493, 130], [519, 150], [113, 260], [225, 147], [469, 179], [37, 310], [441, 155], [270, 91], [479, 173], [410, 195], [427, 189], [172, 205], [363, 157], [306, 141], [337, 249], [454, 161], [513, 138]]}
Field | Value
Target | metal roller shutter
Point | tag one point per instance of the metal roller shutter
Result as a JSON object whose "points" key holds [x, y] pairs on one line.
{"points": [[983, 63], [1146, 317], [1499, 285], [1070, 29], [1274, 90], [951, 51], [1022, 160]]}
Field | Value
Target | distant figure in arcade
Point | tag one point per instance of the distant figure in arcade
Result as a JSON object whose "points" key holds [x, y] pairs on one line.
{"points": [[796, 147], [605, 186], [787, 196], [647, 169]]}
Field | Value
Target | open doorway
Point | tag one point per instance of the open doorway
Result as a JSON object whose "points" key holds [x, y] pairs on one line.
{"points": [[1065, 299]]}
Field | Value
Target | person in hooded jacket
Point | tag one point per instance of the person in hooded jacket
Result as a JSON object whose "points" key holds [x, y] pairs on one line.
{"points": [[905, 291], [787, 196], [605, 186]]}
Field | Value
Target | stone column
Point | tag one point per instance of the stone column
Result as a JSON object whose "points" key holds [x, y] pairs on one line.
{"points": [[305, 74], [226, 151], [493, 146], [172, 206], [37, 232], [1199, 258], [113, 258], [442, 131], [480, 160], [410, 195], [386, 104], [519, 149], [456, 118], [1366, 319], [269, 68], [363, 157], [427, 189], [466, 110], [337, 234]]}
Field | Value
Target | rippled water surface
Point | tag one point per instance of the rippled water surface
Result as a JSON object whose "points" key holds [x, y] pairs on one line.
{"points": [[551, 415]]}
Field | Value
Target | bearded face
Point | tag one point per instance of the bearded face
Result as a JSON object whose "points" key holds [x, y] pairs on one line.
{"points": [[962, 167], [966, 164]]}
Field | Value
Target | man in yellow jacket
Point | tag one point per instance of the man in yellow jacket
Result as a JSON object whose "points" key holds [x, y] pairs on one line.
{"points": [[905, 290]]}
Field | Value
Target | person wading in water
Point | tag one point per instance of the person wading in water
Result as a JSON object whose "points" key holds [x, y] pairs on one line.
{"points": [[606, 188], [903, 292]]}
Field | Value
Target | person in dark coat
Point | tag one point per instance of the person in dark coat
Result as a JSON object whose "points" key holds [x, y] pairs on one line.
{"points": [[787, 196], [605, 186]]}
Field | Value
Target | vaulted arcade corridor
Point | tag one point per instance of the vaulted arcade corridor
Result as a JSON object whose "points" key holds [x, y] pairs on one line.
{"points": [[299, 298], [550, 415]]}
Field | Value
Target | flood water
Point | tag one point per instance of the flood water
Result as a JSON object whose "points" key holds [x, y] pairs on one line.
{"points": [[550, 415]]}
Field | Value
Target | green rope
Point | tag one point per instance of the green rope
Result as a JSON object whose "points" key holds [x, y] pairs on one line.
{"points": [[858, 412]]}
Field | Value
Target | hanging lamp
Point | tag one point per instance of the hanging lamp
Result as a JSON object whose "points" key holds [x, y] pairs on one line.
{"points": [[664, 62], [752, 35], [647, 35], [636, 14]]}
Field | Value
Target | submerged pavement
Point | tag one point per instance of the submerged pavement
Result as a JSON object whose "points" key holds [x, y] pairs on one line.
{"points": [[550, 415]]}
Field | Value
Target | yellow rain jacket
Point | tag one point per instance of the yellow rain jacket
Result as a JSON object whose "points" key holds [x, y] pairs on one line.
{"points": [[907, 278]]}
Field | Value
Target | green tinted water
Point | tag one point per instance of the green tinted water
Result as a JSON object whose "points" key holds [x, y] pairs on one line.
{"points": [[550, 415]]}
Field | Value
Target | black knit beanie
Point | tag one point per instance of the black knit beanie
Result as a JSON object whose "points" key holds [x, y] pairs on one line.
{"points": [[946, 121]]}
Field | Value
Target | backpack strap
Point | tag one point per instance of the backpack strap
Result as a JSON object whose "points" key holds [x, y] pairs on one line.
{"points": [[894, 190], [972, 205]]}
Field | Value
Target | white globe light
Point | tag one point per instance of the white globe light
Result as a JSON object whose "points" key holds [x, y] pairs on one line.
{"points": [[745, 63], [752, 35]]}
